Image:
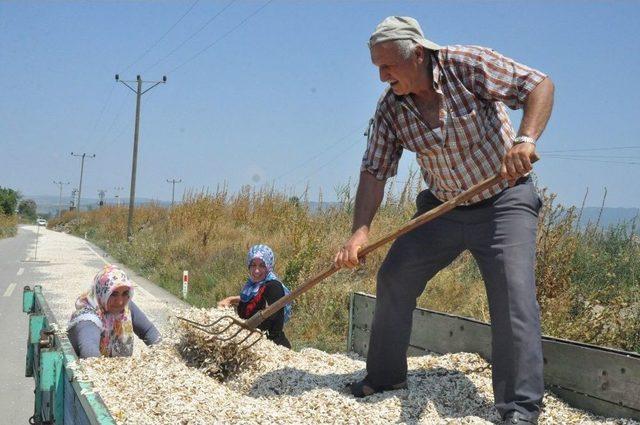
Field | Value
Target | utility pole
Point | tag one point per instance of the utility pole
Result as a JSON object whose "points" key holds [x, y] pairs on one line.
{"points": [[173, 189], [81, 172], [73, 199], [139, 93], [60, 184], [101, 195], [117, 195]]}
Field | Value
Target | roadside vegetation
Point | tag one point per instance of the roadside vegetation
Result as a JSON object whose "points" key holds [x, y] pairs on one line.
{"points": [[8, 207], [587, 284], [8, 225]]}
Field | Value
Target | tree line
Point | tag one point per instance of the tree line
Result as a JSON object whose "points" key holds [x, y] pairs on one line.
{"points": [[11, 203]]}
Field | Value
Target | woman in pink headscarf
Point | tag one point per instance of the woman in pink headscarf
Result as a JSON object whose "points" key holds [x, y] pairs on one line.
{"points": [[106, 319]]}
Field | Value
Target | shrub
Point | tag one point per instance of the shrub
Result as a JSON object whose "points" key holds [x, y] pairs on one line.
{"points": [[8, 225]]}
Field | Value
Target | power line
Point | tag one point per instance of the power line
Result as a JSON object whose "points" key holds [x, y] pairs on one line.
{"points": [[222, 36], [161, 37], [332, 159], [191, 36], [113, 122], [571, 158], [124, 127], [104, 107], [596, 156], [101, 139], [100, 115], [367, 134], [311, 158], [591, 149]]}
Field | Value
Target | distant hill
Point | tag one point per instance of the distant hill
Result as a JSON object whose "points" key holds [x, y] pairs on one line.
{"points": [[48, 205], [610, 216]]}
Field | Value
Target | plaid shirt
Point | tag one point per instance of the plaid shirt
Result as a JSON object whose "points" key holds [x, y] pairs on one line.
{"points": [[474, 84]]}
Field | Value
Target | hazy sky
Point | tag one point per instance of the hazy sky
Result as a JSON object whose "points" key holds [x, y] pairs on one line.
{"points": [[281, 91]]}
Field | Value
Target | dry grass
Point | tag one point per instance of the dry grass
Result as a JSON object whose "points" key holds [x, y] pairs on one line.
{"points": [[587, 285], [585, 277]]}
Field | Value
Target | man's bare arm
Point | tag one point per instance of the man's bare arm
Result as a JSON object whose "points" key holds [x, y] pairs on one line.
{"points": [[368, 198], [537, 110]]}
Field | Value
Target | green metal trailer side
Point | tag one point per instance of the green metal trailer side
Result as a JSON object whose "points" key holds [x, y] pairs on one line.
{"points": [[60, 398]]}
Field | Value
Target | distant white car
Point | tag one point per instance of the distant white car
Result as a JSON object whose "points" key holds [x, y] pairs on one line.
{"points": [[42, 222]]}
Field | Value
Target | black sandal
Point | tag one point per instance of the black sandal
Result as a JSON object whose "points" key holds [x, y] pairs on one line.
{"points": [[365, 388]]}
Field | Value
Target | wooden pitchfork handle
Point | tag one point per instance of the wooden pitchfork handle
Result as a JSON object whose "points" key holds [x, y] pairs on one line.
{"points": [[262, 315]]}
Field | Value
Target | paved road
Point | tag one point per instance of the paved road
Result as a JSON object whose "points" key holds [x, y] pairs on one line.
{"points": [[16, 391], [63, 265]]}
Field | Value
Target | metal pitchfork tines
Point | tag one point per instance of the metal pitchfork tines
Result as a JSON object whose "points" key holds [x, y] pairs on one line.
{"points": [[217, 329], [252, 323]]}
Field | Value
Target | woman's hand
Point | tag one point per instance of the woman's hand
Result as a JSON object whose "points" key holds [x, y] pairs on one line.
{"points": [[229, 302]]}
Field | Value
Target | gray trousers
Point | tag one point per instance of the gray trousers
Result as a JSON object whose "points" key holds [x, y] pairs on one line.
{"points": [[500, 233]]}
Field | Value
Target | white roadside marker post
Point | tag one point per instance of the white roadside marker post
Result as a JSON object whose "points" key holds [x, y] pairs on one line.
{"points": [[185, 283]]}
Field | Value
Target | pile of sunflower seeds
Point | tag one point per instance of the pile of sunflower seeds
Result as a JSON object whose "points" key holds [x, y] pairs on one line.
{"points": [[178, 381], [271, 384]]}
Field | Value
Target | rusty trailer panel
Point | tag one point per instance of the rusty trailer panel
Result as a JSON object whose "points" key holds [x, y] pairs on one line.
{"points": [[601, 380]]}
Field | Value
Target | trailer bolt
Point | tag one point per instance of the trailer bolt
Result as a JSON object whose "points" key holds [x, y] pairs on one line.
{"points": [[46, 338]]}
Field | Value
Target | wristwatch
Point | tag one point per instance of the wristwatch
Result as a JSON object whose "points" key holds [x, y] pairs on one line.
{"points": [[524, 139]]}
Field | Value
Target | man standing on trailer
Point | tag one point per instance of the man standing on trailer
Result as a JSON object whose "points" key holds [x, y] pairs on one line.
{"points": [[447, 104]]}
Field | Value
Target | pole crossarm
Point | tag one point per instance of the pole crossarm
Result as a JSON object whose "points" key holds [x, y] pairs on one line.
{"points": [[159, 82], [131, 88]]}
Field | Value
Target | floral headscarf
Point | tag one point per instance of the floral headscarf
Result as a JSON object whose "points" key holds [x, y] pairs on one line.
{"points": [[116, 338], [251, 288]]}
